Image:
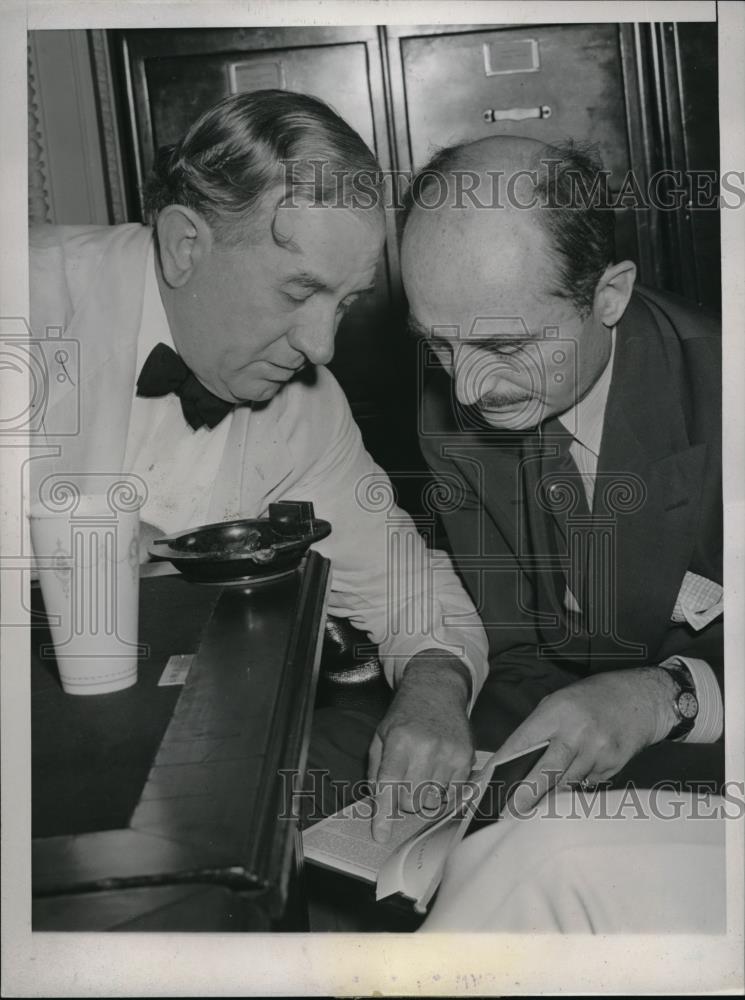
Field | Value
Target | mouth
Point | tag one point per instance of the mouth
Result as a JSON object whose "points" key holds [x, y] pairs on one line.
{"points": [[498, 405], [288, 370], [269, 373], [280, 373]]}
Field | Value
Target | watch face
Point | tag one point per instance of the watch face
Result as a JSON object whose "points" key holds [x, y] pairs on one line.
{"points": [[687, 705]]}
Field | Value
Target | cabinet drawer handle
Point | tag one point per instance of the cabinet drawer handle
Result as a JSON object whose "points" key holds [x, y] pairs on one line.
{"points": [[516, 114]]}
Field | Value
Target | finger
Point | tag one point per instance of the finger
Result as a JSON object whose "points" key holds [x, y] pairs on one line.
{"points": [[454, 764], [436, 773], [453, 778], [393, 789], [549, 769], [537, 728], [443, 791], [591, 770], [422, 768], [425, 774], [579, 770], [430, 799], [385, 811], [373, 758]]}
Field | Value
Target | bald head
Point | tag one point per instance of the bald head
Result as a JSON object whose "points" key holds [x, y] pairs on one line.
{"points": [[499, 247], [517, 183], [506, 154], [463, 226]]}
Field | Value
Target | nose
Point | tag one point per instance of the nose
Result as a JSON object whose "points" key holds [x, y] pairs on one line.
{"points": [[315, 341], [475, 373]]}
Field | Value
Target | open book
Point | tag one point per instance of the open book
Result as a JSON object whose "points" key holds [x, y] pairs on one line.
{"points": [[412, 861]]}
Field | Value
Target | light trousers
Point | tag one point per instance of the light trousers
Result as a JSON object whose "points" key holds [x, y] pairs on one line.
{"points": [[633, 861]]}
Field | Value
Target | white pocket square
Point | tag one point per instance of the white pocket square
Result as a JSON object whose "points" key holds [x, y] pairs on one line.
{"points": [[699, 602]]}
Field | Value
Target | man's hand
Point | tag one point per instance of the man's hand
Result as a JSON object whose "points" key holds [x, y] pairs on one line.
{"points": [[595, 727], [424, 737]]}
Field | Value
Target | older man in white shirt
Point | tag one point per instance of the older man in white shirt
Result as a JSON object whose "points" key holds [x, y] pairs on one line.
{"points": [[203, 345]]}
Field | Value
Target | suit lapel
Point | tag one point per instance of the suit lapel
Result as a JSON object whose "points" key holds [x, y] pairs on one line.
{"points": [[493, 473], [648, 486]]}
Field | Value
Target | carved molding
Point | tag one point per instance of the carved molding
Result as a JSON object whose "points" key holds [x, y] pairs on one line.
{"points": [[113, 168], [39, 197]]}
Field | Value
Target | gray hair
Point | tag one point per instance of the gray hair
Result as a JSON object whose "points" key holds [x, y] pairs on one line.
{"points": [[248, 144]]}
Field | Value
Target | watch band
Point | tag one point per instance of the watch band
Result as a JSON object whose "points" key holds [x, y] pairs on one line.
{"points": [[685, 704]]}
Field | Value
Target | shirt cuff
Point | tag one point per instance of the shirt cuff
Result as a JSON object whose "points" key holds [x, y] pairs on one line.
{"points": [[709, 724]]}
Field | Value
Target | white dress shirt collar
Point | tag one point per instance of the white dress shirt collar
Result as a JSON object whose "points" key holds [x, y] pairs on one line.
{"points": [[585, 419]]}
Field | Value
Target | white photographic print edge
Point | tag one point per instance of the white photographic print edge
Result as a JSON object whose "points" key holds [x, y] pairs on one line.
{"points": [[134, 964]]}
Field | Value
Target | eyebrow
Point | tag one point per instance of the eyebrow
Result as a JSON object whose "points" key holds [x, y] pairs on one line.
{"points": [[418, 330], [308, 280]]}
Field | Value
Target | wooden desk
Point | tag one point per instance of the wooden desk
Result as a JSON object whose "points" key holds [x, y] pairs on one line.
{"points": [[208, 841]]}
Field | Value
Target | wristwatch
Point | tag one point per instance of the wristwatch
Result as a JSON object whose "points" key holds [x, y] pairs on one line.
{"points": [[685, 703]]}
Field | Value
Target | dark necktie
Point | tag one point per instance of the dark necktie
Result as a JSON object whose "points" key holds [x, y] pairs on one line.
{"points": [[560, 477], [554, 491], [165, 372]]}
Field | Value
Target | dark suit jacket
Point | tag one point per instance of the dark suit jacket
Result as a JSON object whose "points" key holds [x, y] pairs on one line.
{"points": [[662, 439]]}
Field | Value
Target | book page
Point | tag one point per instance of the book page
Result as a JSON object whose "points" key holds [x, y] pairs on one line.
{"points": [[415, 868], [344, 841], [418, 863]]}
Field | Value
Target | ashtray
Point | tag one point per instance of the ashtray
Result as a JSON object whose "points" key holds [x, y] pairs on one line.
{"points": [[252, 551]]}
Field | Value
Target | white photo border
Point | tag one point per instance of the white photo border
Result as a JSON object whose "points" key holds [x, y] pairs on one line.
{"points": [[330, 964]]}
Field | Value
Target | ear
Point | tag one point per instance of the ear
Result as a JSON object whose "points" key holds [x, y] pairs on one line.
{"points": [[613, 292], [184, 241]]}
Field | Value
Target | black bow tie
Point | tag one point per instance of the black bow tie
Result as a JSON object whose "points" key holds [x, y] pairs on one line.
{"points": [[164, 372]]}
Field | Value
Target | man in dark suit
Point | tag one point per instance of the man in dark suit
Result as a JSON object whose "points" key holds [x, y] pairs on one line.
{"points": [[580, 421]]}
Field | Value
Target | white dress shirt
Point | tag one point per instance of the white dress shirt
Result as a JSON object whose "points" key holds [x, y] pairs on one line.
{"points": [[178, 463], [585, 422]]}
